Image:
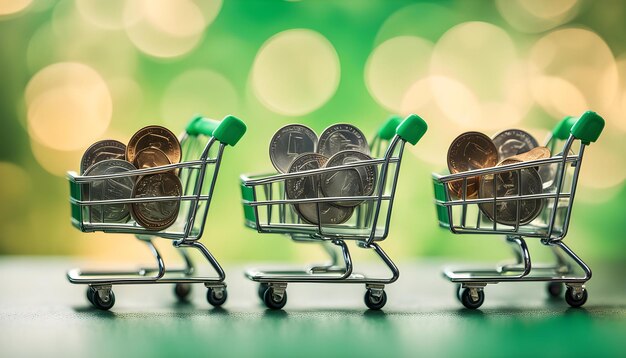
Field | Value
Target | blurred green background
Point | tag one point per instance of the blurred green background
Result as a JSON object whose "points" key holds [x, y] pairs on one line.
{"points": [[74, 72]]}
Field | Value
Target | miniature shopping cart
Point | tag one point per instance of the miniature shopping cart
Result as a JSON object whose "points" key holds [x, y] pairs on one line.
{"points": [[559, 176], [202, 144], [268, 210]]}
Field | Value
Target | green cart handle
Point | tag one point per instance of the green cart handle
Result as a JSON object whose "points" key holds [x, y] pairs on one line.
{"points": [[412, 129], [564, 128], [388, 129], [588, 127], [228, 131]]}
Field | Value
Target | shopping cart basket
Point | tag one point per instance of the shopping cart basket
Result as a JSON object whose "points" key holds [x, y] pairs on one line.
{"points": [[203, 144], [268, 210], [559, 177]]}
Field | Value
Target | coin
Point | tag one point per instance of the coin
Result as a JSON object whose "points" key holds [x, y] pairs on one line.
{"points": [[308, 187], [109, 189], [154, 137], [340, 137], [513, 142], [349, 182], [102, 150], [508, 184], [149, 158], [156, 215], [533, 154], [469, 151], [289, 142]]}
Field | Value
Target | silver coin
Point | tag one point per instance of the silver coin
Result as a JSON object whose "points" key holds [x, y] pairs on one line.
{"points": [[110, 189], [340, 137], [508, 184], [513, 142], [308, 187], [102, 150], [289, 142], [349, 182]]}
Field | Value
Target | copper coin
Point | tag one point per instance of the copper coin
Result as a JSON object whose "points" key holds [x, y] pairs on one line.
{"points": [[154, 137], [102, 150], [469, 151], [149, 158], [156, 215], [533, 154]]}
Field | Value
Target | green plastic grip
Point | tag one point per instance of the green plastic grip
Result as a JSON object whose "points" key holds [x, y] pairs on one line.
{"points": [[563, 129], [412, 129], [201, 125], [388, 129], [588, 127], [228, 131]]}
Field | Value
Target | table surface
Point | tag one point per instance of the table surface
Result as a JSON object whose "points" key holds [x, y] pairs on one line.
{"points": [[41, 314]]}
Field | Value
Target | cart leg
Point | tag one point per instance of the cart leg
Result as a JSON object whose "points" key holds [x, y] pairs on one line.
{"points": [[395, 273], [207, 254], [576, 259], [333, 266], [522, 256], [157, 256]]}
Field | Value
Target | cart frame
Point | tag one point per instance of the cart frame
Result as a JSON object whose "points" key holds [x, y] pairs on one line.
{"points": [[196, 193], [550, 227], [364, 229]]}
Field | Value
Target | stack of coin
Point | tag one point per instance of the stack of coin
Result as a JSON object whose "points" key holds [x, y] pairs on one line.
{"points": [[473, 150], [296, 148], [151, 146]]}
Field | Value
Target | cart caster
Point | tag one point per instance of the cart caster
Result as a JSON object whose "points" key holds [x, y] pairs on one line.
{"points": [[472, 300], [555, 289], [103, 303], [263, 286], [575, 299], [90, 293], [216, 296], [182, 291], [373, 302], [274, 301]]}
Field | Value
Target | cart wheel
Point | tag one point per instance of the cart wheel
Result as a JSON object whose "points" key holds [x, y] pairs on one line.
{"points": [[575, 300], [182, 291], [216, 296], [90, 292], [105, 304], [272, 301], [469, 302], [458, 289], [375, 303], [555, 289], [263, 286]]}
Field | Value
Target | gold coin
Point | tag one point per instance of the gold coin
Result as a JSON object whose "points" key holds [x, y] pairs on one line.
{"points": [[156, 137], [149, 158]]}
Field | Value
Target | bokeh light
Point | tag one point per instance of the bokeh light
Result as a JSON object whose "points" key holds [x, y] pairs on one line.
{"points": [[485, 73], [164, 28], [578, 62], [295, 72], [198, 91], [537, 15], [69, 105], [8, 7], [394, 66]]}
